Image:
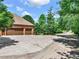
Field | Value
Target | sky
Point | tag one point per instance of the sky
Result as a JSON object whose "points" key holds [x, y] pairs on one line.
{"points": [[32, 7]]}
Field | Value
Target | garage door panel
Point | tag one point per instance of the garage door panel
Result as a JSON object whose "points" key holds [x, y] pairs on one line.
{"points": [[18, 31]]}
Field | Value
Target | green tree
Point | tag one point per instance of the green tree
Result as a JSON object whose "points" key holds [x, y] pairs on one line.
{"points": [[37, 29], [47, 25], [75, 24], [6, 18], [50, 22], [65, 22], [69, 7], [42, 23], [28, 18], [70, 14]]}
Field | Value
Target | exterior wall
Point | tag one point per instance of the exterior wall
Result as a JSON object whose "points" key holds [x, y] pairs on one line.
{"points": [[19, 30]]}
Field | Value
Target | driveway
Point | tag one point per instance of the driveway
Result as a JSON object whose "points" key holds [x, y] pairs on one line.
{"points": [[32, 47]]}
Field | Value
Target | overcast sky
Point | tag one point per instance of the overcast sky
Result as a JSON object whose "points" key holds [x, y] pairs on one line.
{"points": [[31, 7]]}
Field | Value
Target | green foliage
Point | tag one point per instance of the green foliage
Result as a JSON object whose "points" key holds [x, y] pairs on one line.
{"points": [[42, 23], [6, 18], [37, 28], [40, 27], [65, 22], [69, 6], [28, 18], [75, 24], [1, 0], [69, 15], [57, 27], [2, 7], [50, 22], [47, 25]]}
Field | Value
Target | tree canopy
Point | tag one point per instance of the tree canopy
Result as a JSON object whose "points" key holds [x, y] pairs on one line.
{"points": [[50, 22], [69, 7], [42, 23], [47, 24], [28, 18], [69, 14], [6, 18]]}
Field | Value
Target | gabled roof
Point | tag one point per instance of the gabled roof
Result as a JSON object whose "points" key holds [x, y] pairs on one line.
{"points": [[21, 21]]}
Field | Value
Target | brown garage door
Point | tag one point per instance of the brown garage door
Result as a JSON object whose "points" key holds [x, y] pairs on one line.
{"points": [[15, 31], [28, 31]]}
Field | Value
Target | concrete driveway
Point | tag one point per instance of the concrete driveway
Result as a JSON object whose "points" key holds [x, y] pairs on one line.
{"points": [[32, 47]]}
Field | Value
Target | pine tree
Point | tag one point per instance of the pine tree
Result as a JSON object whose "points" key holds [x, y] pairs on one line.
{"points": [[42, 23], [50, 22]]}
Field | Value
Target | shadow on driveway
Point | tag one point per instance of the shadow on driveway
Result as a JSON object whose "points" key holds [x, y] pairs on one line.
{"points": [[5, 41]]}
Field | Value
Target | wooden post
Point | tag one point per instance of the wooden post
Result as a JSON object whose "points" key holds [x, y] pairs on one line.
{"points": [[0, 32], [5, 32], [24, 31], [32, 31]]}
